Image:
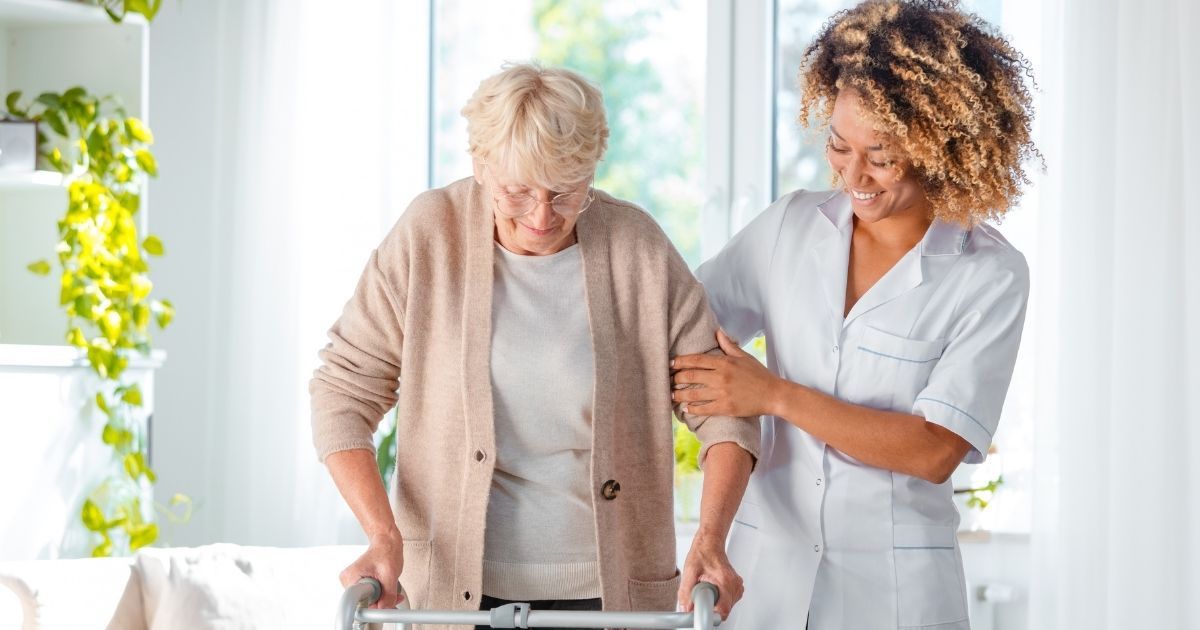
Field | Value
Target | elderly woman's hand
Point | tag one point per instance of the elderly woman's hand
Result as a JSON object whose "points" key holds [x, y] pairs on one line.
{"points": [[383, 560], [707, 562], [733, 385]]}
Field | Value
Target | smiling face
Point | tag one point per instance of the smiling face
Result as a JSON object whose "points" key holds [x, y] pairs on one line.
{"points": [[867, 167], [540, 232]]}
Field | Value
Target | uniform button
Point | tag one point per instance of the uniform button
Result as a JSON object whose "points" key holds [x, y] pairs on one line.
{"points": [[479, 456], [818, 481], [610, 489], [467, 595], [816, 548]]}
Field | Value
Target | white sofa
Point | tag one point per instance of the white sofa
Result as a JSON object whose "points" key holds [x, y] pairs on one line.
{"points": [[216, 587]]}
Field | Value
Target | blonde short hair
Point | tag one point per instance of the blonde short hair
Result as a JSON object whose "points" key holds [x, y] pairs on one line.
{"points": [[541, 126]]}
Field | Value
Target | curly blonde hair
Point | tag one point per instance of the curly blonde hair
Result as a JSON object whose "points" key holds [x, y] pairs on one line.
{"points": [[542, 126], [942, 85]]}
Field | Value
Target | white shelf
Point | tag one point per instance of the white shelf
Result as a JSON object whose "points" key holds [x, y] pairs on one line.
{"points": [[21, 356], [36, 180], [55, 12]]}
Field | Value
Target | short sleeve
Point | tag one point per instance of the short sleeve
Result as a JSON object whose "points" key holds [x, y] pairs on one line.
{"points": [[967, 388], [736, 279]]}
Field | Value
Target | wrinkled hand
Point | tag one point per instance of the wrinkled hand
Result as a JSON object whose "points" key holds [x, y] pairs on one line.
{"points": [[736, 384], [383, 560], [707, 562]]}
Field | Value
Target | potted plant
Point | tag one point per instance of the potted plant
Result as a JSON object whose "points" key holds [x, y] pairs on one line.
{"points": [[104, 155]]}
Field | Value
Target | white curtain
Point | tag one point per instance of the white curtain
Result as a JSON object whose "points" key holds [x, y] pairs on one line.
{"points": [[1116, 535], [324, 112]]}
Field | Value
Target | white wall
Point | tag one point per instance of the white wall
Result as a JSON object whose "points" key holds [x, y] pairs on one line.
{"points": [[186, 55]]}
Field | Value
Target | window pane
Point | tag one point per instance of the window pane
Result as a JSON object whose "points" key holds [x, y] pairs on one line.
{"points": [[648, 59], [799, 155]]}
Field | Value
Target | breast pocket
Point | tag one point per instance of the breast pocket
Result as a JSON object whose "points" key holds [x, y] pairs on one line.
{"points": [[895, 368]]}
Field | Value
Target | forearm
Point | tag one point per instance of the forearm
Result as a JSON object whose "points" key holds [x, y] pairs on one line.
{"points": [[356, 476], [726, 472], [891, 440]]}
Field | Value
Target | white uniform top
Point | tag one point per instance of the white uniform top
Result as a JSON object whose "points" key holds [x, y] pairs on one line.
{"points": [[820, 534]]}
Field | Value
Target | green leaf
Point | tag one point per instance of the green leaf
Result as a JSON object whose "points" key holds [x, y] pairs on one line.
{"points": [[49, 99], [138, 130], [74, 93], [110, 325], [40, 267], [133, 465], [100, 402], [104, 549], [142, 535], [53, 117], [133, 396], [146, 160], [164, 312], [92, 517], [76, 338], [11, 101], [153, 245], [111, 435], [116, 365], [116, 12], [96, 142]]}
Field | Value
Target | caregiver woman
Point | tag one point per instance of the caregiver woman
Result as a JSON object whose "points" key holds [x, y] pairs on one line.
{"points": [[892, 314]]}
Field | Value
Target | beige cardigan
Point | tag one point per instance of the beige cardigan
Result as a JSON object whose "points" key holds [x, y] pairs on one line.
{"points": [[420, 318]]}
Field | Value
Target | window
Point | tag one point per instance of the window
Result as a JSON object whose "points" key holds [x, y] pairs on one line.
{"points": [[648, 59]]}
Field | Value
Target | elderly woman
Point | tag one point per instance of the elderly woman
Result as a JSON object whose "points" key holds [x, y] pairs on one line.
{"points": [[526, 319], [892, 314]]}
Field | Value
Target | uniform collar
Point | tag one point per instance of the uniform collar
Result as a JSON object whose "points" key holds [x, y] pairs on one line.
{"points": [[944, 239], [941, 239]]}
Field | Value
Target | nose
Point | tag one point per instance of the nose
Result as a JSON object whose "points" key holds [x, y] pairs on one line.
{"points": [[853, 173], [542, 216]]}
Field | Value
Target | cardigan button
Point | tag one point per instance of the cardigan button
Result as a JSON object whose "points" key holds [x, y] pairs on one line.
{"points": [[479, 456], [467, 595], [610, 489]]}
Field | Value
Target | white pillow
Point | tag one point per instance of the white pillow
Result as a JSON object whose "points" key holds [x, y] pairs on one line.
{"points": [[18, 605], [83, 594], [229, 587]]}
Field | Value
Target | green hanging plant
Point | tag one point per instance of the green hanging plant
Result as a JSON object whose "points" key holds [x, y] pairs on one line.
{"points": [[104, 156], [118, 9]]}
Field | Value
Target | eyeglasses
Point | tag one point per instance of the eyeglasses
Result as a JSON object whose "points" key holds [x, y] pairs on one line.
{"points": [[519, 204]]}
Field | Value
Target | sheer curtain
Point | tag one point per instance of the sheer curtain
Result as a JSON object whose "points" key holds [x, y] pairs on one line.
{"points": [[1116, 540], [325, 114]]}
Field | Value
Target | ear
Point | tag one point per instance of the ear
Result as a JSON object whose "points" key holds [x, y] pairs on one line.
{"points": [[477, 169]]}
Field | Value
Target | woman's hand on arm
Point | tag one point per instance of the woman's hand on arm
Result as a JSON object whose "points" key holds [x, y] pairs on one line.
{"points": [[726, 472], [736, 384], [357, 478]]}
